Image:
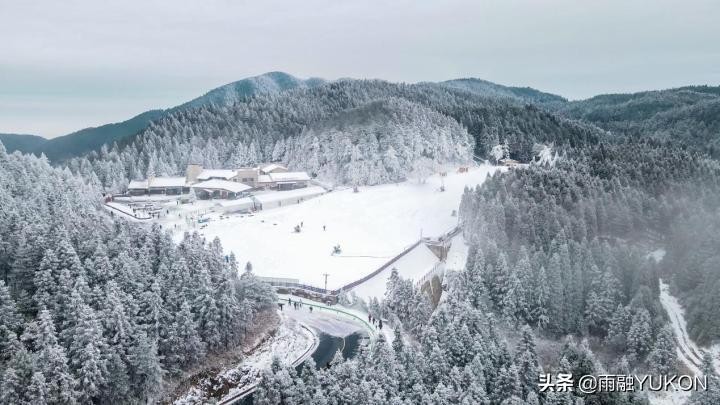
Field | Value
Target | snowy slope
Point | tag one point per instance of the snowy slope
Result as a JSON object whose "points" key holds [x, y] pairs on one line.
{"points": [[688, 352], [413, 266], [457, 255], [370, 226]]}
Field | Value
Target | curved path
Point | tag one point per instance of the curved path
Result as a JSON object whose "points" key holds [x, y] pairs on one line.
{"points": [[345, 315]]}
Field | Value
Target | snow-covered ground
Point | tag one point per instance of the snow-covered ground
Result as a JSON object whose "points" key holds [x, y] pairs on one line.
{"points": [[348, 316], [457, 255], [126, 211], [370, 226], [324, 320], [413, 266], [687, 351]]}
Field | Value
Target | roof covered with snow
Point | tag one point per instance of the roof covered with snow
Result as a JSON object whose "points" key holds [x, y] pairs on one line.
{"points": [[161, 182], [216, 174], [217, 184], [264, 178], [138, 184], [272, 166], [289, 176], [290, 194]]}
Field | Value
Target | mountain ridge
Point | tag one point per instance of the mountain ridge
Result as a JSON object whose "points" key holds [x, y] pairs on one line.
{"points": [[93, 138]]}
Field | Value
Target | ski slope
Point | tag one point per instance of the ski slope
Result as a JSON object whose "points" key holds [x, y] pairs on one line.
{"points": [[413, 266], [370, 227]]}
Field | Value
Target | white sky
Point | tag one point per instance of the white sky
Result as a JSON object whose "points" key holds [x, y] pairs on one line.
{"points": [[66, 65]]}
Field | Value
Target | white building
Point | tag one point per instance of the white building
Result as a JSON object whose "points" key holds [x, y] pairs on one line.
{"points": [[217, 188], [159, 185], [222, 183], [219, 174]]}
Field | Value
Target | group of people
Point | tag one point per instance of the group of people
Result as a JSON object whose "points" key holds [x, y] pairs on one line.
{"points": [[298, 228], [375, 321], [297, 304]]}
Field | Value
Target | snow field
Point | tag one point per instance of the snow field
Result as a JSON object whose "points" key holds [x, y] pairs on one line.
{"points": [[371, 227]]}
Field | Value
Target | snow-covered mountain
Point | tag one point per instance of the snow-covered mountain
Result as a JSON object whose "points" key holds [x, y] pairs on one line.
{"points": [[351, 131], [484, 87], [231, 93]]}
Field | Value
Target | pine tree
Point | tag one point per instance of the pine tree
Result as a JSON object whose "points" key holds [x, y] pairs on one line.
{"points": [[662, 359], [506, 384], [711, 395], [45, 283], [527, 363], [18, 374], [188, 345], [267, 392], [499, 281], [541, 297], [639, 337], [9, 314], [11, 389], [146, 372], [85, 346], [53, 362], [397, 343], [619, 327], [514, 306], [37, 391]]}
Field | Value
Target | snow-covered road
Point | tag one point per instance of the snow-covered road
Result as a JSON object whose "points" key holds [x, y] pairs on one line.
{"points": [[687, 350]]}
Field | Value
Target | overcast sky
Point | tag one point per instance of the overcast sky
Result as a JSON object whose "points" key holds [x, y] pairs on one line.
{"points": [[66, 65]]}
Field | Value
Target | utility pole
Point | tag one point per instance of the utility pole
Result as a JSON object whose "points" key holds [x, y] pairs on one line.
{"points": [[326, 276]]}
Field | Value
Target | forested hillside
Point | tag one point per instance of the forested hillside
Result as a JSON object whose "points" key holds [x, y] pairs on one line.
{"points": [[486, 88], [687, 115], [21, 142], [421, 122], [581, 227], [79, 142], [555, 251], [97, 311]]}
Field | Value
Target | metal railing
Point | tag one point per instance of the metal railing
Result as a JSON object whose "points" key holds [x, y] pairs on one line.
{"points": [[334, 293]]}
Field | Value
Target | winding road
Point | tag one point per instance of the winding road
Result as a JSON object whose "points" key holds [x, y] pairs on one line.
{"points": [[324, 322]]}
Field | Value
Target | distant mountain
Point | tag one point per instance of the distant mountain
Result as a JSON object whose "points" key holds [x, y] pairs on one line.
{"points": [[485, 88], [89, 139], [23, 143], [79, 142], [689, 115], [229, 94]]}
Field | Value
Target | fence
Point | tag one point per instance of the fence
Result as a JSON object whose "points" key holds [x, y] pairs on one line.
{"points": [[318, 290]]}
